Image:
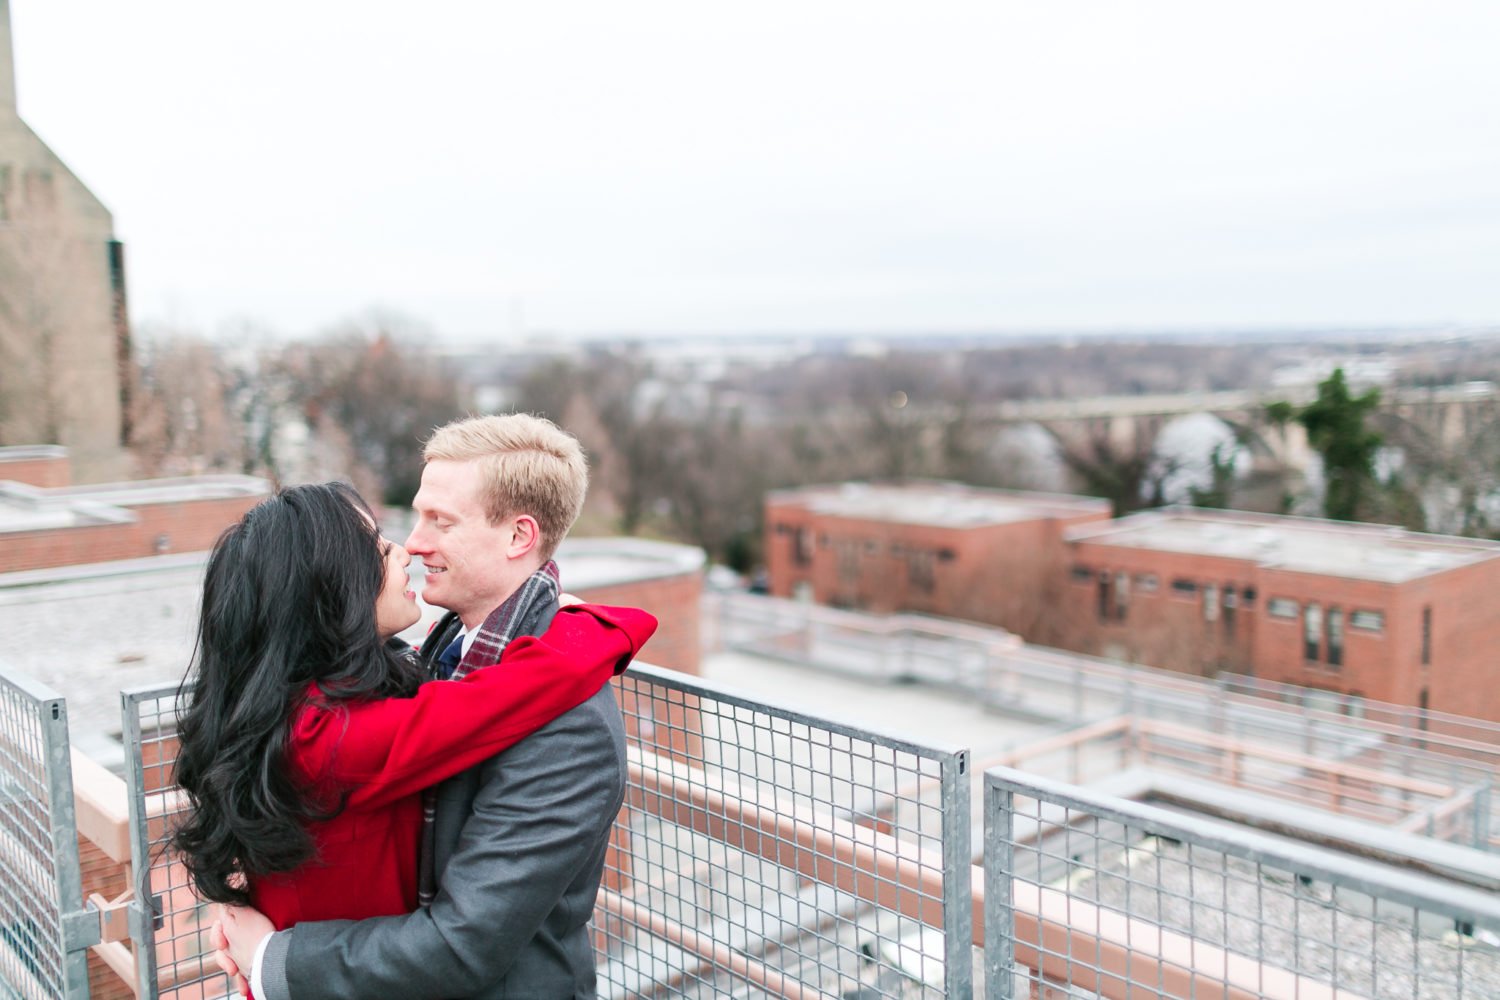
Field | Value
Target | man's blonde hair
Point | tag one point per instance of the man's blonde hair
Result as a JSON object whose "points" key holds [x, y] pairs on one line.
{"points": [[529, 466]]}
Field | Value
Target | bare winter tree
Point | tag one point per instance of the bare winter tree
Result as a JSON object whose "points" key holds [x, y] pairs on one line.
{"points": [[184, 421], [382, 391]]}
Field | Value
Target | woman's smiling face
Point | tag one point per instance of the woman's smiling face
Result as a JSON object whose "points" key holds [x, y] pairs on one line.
{"points": [[396, 606]]}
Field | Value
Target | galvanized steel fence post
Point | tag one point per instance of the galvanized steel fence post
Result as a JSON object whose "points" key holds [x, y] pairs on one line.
{"points": [[45, 928], [999, 917]]}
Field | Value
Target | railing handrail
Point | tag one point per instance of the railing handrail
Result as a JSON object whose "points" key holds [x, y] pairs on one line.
{"points": [[1423, 892], [975, 632]]}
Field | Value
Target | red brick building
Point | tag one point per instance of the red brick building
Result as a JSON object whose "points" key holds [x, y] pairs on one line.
{"points": [[45, 523], [991, 556], [1365, 610], [44, 465], [659, 577]]}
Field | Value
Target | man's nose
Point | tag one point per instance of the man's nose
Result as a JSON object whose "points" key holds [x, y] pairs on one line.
{"points": [[415, 541]]}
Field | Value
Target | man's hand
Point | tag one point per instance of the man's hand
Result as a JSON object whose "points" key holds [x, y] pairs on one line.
{"points": [[242, 928], [221, 956]]}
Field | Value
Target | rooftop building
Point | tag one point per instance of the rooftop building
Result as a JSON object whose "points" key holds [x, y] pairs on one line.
{"points": [[1379, 553], [933, 547], [1366, 611], [933, 504], [44, 526]]}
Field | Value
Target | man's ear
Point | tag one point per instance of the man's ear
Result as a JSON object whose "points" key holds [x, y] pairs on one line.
{"points": [[525, 537]]}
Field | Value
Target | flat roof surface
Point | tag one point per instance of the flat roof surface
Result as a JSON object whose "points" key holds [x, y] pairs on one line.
{"points": [[946, 505], [605, 562], [1381, 553], [19, 515], [88, 631], [30, 508], [167, 490]]}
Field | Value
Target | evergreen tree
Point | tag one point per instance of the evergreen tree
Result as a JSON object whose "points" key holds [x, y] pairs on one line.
{"points": [[1335, 424]]}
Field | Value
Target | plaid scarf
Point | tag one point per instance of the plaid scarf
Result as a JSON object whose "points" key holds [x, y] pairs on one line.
{"points": [[520, 614]]}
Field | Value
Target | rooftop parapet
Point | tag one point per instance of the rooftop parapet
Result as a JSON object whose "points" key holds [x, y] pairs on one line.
{"points": [[935, 503], [33, 508], [1382, 553]]}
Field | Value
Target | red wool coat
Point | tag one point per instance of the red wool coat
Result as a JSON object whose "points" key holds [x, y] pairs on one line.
{"points": [[383, 752]]}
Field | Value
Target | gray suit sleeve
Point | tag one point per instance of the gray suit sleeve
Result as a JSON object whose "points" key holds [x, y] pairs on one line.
{"points": [[540, 811]]}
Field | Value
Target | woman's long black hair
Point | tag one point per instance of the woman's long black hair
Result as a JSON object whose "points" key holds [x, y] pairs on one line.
{"points": [[288, 601]]}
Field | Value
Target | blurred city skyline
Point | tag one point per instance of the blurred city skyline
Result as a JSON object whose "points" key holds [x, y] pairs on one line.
{"points": [[672, 168]]}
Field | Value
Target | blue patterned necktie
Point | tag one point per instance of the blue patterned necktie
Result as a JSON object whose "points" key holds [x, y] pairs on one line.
{"points": [[447, 662]]}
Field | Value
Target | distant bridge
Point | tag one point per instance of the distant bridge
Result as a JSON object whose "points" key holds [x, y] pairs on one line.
{"points": [[1438, 423]]}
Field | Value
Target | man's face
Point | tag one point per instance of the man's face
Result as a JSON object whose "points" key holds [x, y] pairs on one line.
{"points": [[467, 568]]}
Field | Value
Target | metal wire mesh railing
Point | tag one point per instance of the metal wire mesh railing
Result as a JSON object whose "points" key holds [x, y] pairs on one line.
{"points": [[41, 895], [1087, 895], [765, 852], [176, 961], [759, 847], [1422, 756]]}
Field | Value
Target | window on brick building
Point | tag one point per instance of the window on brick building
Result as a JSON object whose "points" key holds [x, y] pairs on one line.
{"points": [[1147, 583], [847, 553], [1335, 637], [1211, 603], [1427, 636], [1081, 574], [1231, 605], [1368, 621], [1281, 607], [1184, 588], [919, 571], [1312, 632], [1114, 596], [802, 549]]}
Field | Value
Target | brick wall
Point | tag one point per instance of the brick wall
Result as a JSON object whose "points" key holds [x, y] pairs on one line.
{"points": [[48, 472], [1463, 672], [1372, 660], [109, 878], [675, 601], [183, 526], [1185, 611], [1004, 574], [1149, 615]]}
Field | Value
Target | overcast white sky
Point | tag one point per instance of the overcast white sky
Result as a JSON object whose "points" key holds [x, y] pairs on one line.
{"points": [[799, 166]]}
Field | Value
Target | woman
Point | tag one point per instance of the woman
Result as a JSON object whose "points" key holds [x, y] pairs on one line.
{"points": [[309, 733]]}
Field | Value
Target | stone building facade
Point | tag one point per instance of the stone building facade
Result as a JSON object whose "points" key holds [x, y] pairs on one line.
{"points": [[64, 339]]}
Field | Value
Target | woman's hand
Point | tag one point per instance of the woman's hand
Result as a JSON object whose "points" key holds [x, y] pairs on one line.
{"points": [[563, 600]]}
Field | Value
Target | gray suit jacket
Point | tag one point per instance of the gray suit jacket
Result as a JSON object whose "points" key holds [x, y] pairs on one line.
{"points": [[520, 844]]}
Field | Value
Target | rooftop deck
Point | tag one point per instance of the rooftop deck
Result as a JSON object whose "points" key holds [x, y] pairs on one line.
{"points": [[770, 850]]}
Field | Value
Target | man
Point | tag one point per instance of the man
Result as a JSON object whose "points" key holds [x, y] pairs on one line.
{"points": [[518, 843]]}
